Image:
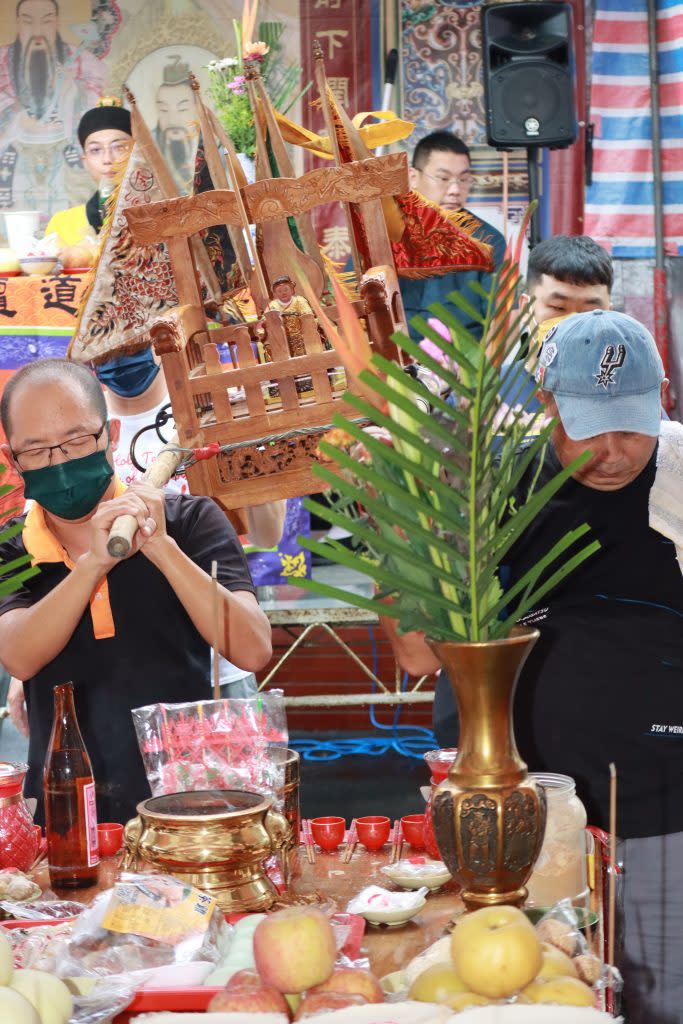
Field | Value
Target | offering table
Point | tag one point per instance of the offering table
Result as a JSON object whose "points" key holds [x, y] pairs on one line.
{"points": [[335, 883]]}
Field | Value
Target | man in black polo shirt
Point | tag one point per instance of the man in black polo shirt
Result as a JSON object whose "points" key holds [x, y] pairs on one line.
{"points": [[604, 683], [127, 633]]}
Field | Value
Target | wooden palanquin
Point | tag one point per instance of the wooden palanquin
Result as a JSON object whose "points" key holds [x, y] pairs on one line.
{"points": [[267, 417]]}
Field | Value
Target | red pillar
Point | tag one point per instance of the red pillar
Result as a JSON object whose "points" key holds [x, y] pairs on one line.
{"points": [[567, 166]]}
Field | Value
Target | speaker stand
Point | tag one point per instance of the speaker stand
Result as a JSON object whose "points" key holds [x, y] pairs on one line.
{"points": [[534, 194]]}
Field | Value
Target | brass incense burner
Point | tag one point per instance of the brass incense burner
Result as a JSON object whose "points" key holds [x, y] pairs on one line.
{"points": [[217, 840]]}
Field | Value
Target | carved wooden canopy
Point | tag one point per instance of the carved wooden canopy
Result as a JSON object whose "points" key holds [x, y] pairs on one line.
{"points": [[272, 199]]}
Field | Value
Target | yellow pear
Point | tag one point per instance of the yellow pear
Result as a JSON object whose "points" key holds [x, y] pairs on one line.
{"points": [[437, 985], [496, 951], [556, 964], [563, 991], [47, 993]]}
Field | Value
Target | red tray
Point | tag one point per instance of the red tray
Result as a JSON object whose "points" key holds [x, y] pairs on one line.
{"points": [[178, 1000], [197, 998]]}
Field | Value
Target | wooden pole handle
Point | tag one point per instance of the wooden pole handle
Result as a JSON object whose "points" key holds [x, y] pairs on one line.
{"points": [[158, 474]]}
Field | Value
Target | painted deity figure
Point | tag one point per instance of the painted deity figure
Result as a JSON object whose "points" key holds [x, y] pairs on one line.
{"points": [[45, 84]]}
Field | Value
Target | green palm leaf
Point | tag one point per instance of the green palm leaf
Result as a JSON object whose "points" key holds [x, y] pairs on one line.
{"points": [[15, 572], [441, 504]]}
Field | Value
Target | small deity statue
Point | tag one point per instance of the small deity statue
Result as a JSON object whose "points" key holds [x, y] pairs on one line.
{"points": [[291, 307]]}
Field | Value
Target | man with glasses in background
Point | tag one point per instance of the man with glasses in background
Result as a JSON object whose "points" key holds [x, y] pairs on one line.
{"points": [[105, 134], [127, 632], [442, 172]]}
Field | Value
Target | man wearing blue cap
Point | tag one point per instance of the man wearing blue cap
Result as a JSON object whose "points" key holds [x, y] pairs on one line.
{"points": [[604, 682]]}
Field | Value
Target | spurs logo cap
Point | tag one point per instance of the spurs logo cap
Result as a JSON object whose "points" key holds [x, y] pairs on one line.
{"points": [[605, 373]]}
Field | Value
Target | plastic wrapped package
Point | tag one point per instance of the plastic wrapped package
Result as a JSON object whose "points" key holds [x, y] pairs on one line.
{"points": [[40, 948], [222, 744], [145, 922], [42, 910], [109, 997], [561, 927]]}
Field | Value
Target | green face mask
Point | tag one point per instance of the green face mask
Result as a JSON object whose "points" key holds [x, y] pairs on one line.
{"points": [[70, 489]]}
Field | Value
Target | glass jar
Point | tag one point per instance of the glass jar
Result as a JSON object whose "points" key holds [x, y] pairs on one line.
{"points": [[18, 839], [560, 871], [439, 763]]}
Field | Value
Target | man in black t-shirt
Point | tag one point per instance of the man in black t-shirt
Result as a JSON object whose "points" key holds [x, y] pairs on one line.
{"points": [[604, 682], [127, 633]]}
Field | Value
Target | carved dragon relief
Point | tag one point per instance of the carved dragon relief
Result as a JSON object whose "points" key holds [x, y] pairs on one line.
{"points": [[356, 182], [272, 199], [183, 216]]}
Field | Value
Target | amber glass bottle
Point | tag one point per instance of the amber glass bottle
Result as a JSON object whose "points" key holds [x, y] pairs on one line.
{"points": [[70, 809]]}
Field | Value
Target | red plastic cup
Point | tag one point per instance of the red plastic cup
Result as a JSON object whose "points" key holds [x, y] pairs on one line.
{"points": [[439, 762], [110, 838], [328, 832], [373, 831], [413, 826]]}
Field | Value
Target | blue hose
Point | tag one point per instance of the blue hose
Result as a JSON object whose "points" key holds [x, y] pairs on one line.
{"points": [[407, 740]]}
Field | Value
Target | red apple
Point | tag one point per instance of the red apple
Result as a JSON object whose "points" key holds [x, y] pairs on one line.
{"points": [[247, 993], [314, 1003], [294, 949], [353, 979]]}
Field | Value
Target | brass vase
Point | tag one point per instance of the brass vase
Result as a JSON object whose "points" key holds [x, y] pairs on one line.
{"points": [[489, 815]]}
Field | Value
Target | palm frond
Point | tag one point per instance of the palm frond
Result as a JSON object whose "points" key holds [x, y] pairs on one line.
{"points": [[15, 572], [441, 504]]}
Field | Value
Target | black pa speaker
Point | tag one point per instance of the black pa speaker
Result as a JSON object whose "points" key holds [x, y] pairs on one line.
{"points": [[529, 74]]}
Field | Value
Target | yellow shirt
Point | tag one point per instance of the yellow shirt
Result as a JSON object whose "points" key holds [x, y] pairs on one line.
{"points": [[71, 225]]}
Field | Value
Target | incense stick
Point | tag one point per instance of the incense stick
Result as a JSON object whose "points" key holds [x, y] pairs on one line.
{"points": [[216, 627], [310, 845], [613, 865], [350, 843]]}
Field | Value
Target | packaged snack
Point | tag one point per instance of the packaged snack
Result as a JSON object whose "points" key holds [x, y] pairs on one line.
{"points": [[146, 921]]}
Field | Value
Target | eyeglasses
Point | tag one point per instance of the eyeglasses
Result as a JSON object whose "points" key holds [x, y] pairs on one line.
{"points": [[117, 150], [463, 179], [74, 448]]}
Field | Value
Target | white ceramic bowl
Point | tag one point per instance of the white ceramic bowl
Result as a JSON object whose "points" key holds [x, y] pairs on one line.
{"points": [[393, 918], [407, 879], [38, 264]]}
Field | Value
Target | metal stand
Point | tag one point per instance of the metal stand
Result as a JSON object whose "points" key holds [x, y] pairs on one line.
{"points": [[534, 194]]}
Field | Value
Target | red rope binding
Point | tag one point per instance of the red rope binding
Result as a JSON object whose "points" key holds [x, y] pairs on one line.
{"points": [[207, 452]]}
